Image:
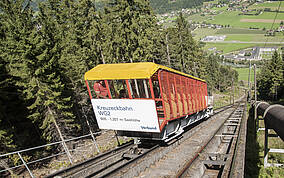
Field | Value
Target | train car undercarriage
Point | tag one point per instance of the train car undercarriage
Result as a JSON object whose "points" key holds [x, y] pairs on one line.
{"points": [[172, 130]]}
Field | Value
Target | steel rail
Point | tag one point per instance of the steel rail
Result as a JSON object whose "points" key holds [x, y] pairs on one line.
{"points": [[237, 145], [109, 173], [69, 170], [230, 164], [115, 172], [92, 160], [190, 162]]}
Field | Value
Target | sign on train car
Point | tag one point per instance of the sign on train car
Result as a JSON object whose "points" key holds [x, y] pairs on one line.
{"points": [[126, 114]]}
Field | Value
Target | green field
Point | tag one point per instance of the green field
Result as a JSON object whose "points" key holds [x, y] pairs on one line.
{"points": [[229, 47], [237, 34], [239, 31], [198, 18], [241, 27], [244, 73], [203, 32], [237, 20], [233, 19], [272, 5], [254, 38]]}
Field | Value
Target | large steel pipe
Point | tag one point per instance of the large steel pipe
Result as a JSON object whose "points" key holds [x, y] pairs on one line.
{"points": [[273, 117], [261, 107]]}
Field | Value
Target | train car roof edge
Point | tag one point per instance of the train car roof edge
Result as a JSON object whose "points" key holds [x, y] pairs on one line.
{"points": [[141, 70]]}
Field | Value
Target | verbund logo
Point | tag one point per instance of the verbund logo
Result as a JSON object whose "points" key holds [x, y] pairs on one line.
{"points": [[148, 128]]}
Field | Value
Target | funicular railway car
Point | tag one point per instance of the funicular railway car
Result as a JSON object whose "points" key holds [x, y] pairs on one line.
{"points": [[146, 100]]}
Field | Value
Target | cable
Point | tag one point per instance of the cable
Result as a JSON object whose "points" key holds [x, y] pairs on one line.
{"points": [[273, 21]]}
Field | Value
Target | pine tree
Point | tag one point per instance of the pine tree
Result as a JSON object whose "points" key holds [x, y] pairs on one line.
{"points": [[51, 100], [133, 26], [276, 67], [80, 51], [213, 73], [16, 25], [185, 52], [33, 50], [6, 136], [270, 78]]}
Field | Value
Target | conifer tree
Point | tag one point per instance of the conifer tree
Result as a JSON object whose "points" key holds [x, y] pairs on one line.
{"points": [[213, 72], [80, 51], [184, 50], [270, 78], [33, 51], [6, 136], [52, 105], [132, 27]]}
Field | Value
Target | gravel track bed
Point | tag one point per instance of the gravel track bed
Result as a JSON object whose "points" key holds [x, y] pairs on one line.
{"points": [[167, 161]]}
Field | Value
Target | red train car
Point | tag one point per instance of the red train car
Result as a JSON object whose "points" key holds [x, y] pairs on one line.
{"points": [[146, 100]]}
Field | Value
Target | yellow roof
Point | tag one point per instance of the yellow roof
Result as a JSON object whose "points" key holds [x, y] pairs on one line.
{"points": [[142, 70]]}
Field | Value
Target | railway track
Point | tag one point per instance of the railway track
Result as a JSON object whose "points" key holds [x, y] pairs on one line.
{"points": [[216, 157], [155, 160], [97, 165], [106, 163], [180, 158]]}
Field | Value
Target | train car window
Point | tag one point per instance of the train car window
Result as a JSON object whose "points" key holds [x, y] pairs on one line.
{"points": [[140, 88], [118, 89], [112, 89], [156, 88], [146, 88], [143, 88], [135, 88], [100, 89]]}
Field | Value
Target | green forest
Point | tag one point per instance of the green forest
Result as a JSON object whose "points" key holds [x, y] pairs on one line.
{"points": [[45, 51], [270, 79], [172, 5], [161, 6]]}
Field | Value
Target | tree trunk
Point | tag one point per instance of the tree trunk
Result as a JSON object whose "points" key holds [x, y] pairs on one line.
{"points": [[168, 50], [61, 137]]}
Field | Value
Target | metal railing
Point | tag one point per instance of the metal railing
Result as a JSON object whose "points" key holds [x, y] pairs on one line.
{"points": [[65, 151]]}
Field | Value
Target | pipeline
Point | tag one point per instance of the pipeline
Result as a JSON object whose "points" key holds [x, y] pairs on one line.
{"points": [[273, 116]]}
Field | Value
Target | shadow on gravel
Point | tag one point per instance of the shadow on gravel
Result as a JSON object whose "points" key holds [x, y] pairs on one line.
{"points": [[252, 149]]}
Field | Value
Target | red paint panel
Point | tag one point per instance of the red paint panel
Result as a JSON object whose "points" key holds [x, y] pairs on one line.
{"points": [[169, 95], [176, 95], [161, 92], [151, 88], [194, 94], [187, 93], [182, 94], [191, 94], [199, 96]]}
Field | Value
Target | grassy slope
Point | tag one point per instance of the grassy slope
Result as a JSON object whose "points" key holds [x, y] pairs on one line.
{"points": [[203, 32], [233, 19], [254, 38], [229, 47], [244, 73], [271, 5], [240, 30]]}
